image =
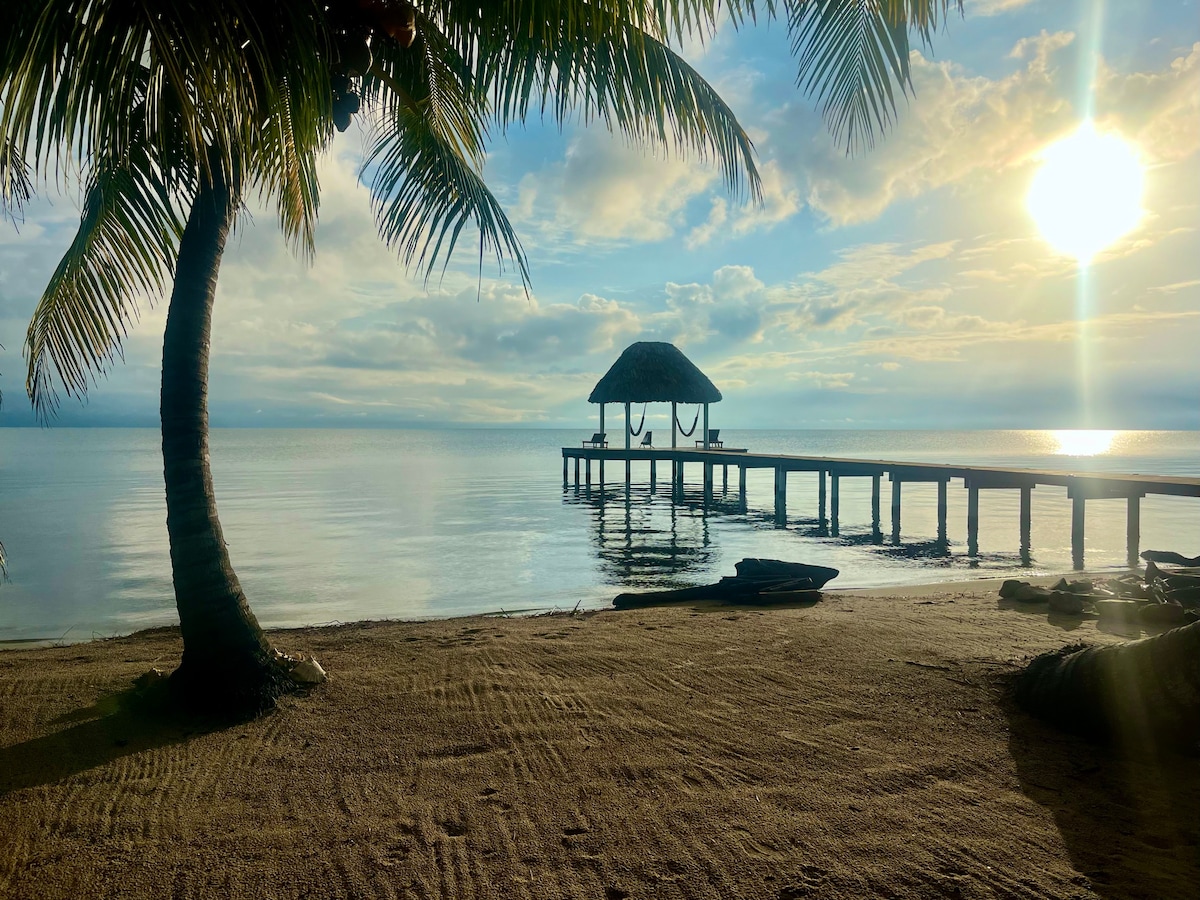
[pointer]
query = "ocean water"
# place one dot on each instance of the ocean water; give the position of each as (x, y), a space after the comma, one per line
(340, 525)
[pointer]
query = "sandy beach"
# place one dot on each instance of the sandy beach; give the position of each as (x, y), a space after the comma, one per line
(858, 747)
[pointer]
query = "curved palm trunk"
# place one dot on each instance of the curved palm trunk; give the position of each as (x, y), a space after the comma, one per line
(1143, 694)
(227, 662)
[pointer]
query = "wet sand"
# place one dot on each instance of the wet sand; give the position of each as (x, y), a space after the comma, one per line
(859, 747)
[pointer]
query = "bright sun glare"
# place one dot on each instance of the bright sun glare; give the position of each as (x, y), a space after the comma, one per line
(1087, 193)
(1084, 442)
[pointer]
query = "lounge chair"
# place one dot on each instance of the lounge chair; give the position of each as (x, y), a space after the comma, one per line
(597, 440)
(713, 435)
(646, 441)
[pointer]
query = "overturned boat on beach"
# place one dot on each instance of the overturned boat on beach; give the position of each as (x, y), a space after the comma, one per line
(757, 582)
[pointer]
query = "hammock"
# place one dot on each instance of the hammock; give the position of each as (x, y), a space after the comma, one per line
(694, 421)
(641, 424)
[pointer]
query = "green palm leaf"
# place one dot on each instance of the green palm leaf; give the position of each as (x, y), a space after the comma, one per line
(125, 246)
(849, 53)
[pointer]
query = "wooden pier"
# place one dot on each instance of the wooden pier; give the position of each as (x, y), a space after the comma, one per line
(1080, 488)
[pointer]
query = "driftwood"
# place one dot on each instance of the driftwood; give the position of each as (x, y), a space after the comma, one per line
(1145, 694)
(757, 581)
(1170, 556)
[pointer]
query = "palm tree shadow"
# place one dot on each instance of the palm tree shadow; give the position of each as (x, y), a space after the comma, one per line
(1128, 821)
(115, 726)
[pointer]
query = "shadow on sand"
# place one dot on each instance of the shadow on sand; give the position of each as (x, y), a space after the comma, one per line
(1131, 823)
(116, 726)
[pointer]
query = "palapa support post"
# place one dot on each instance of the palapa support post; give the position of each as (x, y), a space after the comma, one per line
(780, 496)
(705, 426)
(1133, 529)
(602, 420)
(834, 502)
(1078, 503)
(972, 520)
(895, 507)
(674, 420)
(1026, 522)
(821, 521)
(941, 512)
(628, 428)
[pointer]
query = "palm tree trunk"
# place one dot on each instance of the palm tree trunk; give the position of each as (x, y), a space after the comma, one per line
(227, 661)
(1145, 695)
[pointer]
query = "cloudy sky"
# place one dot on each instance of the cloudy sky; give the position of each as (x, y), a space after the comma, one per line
(906, 286)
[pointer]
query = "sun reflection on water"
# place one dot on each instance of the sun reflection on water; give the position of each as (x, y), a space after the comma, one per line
(1084, 442)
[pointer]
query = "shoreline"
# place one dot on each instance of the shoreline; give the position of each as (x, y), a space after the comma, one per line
(859, 746)
(982, 582)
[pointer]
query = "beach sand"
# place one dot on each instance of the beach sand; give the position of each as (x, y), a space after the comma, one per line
(859, 747)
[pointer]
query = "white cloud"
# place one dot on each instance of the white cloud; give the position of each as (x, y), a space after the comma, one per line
(985, 8)
(604, 190)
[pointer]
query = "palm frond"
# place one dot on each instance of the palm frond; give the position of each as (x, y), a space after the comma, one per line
(424, 193)
(125, 246)
(15, 185)
(604, 61)
(852, 54)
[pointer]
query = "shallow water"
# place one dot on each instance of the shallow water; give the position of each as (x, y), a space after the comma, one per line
(338, 525)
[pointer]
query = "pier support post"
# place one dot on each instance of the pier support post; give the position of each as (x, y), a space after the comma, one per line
(708, 483)
(781, 496)
(1077, 515)
(1026, 523)
(677, 481)
(834, 502)
(941, 513)
(742, 488)
(1133, 529)
(588, 464)
(821, 521)
(895, 508)
(601, 473)
(653, 475)
(972, 520)
(725, 478)
(628, 473)
(876, 532)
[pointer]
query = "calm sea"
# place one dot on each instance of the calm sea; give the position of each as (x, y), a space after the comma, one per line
(328, 526)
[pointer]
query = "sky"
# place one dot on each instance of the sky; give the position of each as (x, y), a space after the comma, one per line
(905, 286)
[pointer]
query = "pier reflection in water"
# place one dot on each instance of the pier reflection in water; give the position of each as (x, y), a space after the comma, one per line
(829, 473)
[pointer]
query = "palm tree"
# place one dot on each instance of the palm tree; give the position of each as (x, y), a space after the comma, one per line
(174, 112)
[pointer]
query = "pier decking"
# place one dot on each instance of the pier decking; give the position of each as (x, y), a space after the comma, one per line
(1080, 487)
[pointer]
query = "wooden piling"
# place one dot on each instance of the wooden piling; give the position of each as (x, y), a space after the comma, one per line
(821, 523)
(1133, 529)
(780, 495)
(834, 502)
(742, 488)
(895, 507)
(941, 512)
(972, 520)
(1026, 520)
(1078, 504)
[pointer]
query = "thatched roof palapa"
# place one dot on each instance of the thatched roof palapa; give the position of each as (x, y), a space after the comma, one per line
(654, 372)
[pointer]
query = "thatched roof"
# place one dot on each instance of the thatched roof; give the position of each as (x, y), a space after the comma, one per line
(654, 371)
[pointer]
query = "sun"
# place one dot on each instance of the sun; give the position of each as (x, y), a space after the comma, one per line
(1087, 193)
